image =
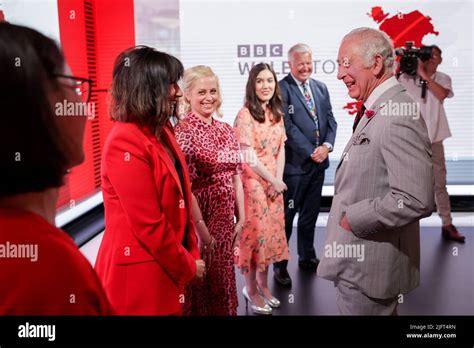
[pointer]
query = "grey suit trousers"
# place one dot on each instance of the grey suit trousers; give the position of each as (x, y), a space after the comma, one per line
(353, 302)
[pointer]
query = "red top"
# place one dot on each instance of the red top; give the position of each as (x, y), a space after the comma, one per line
(42, 272)
(143, 262)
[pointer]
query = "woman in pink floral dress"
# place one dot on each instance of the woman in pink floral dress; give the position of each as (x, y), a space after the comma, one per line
(213, 157)
(261, 133)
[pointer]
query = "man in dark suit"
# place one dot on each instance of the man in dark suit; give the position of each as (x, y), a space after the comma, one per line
(311, 130)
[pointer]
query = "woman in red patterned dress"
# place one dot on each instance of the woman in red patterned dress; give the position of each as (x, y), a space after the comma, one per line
(261, 134)
(213, 157)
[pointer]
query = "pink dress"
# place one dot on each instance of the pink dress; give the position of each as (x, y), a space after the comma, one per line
(213, 158)
(263, 239)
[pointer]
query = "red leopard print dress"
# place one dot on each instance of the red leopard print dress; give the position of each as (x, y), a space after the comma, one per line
(213, 158)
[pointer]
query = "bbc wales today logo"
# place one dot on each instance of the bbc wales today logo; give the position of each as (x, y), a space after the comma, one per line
(276, 55)
(250, 54)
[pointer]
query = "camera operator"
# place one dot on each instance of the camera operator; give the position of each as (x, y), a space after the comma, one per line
(438, 87)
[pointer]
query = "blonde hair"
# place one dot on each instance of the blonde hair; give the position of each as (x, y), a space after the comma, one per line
(191, 75)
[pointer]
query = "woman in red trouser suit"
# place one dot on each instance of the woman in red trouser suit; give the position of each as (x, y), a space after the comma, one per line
(149, 249)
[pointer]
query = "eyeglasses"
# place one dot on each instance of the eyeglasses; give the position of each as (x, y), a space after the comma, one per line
(82, 86)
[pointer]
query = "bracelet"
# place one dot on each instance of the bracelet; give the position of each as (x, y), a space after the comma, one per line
(210, 244)
(199, 221)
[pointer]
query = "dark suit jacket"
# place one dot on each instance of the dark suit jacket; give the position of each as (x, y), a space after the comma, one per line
(300, 127)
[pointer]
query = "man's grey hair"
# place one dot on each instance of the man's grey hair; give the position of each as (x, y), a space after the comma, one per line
(372, 42)
(299, 48)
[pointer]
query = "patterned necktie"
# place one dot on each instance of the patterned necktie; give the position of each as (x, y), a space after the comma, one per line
(309, 100)
(358, 117)
(312, 108)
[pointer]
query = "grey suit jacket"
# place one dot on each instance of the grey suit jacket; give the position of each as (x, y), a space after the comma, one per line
(384, 184)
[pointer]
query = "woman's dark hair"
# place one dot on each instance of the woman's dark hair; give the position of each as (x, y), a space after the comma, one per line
(254, 104)
(32, 154)
(142, 78)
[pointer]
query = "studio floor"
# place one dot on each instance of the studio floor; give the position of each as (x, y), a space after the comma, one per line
(446, 285)
(446, 282)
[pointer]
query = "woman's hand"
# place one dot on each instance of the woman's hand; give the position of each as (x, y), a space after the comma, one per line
(271, 192)
(237, 231)
(279, 186)
(205, 242)
(200, 269)
(206, 249)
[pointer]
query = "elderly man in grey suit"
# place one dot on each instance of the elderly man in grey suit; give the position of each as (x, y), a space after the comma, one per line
(383, 185)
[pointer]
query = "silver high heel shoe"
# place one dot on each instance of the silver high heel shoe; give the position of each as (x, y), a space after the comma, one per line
(272, 302)
(265, 310)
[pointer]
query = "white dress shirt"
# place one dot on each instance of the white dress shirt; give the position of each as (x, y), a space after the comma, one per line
(379, 90)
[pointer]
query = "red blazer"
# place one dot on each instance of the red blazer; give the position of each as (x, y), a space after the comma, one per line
(142, 262)
(42, 271)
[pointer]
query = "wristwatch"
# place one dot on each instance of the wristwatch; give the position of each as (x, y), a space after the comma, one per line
(329, 146)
